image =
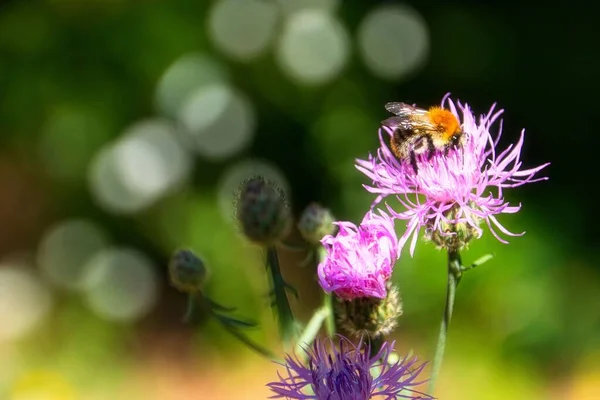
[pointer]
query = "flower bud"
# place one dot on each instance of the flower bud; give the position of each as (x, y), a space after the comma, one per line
(370, 315)
(316, 222)
(451, 235)
(262, 212)
(187, 271)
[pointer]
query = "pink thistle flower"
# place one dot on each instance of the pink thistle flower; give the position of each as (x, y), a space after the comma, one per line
(360, 259)
(463, 187)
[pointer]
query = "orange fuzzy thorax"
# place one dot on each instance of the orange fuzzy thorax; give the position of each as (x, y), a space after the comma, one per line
(445, 121)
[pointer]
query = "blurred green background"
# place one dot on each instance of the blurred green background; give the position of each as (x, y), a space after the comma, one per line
(125, 127)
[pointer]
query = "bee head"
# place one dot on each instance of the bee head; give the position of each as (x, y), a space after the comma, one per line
(457, 139)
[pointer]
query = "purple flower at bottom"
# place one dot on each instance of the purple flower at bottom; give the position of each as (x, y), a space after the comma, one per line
(462, 187)
(346, 374)
(360, 259)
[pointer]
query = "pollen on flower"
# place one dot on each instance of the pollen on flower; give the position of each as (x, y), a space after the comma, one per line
(445, 120)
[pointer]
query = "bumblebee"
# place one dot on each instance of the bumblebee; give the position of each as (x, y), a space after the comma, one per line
(418, 131)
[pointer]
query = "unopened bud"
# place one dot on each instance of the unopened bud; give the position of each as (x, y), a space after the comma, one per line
(316, 222)
(370, 315)
(451, 235)
(187, 271)
(262, 212)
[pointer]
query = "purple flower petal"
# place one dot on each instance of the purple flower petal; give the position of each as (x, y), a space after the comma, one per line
(360, 259)
(470, 179)
(345, 373)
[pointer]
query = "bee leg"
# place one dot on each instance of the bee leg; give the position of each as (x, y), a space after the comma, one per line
(413, 161)
(430, 147)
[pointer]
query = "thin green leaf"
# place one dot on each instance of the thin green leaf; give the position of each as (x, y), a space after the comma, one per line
(282, 308)
(234, 322)
(248, 342)
(216, 306)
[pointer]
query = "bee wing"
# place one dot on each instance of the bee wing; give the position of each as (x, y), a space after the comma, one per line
(404, 110)
(407, 123)
(398, 122)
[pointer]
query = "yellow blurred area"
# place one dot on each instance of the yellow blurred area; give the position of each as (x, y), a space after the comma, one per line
(42, 385)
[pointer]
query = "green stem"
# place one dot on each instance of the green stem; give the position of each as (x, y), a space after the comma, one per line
(330, 319)
(327, 301)
(191, 307)
(312, 329)
(454, 275)
(323, 314)
(376, 344)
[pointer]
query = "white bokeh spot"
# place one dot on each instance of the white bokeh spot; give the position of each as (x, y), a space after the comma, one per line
(219, 121)
(24, 301)
(293, 6)
(142, 166)
(188, 73)
(121, 284)
(65, 249)
(393, 41)
(314, 47)
(242, 29)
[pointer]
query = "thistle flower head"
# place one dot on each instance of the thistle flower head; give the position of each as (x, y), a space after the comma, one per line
(451, 194)
(370, 316)
(346, 374)
(262, 211)
(315, 223)
(187, 271)
(360, 259)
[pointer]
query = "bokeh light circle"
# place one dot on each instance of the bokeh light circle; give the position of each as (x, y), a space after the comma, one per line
(219, 120)
(121, 284)
(139, 168)
(393, 41)
(313, 48)
(232, 178)
(188, 73)
(66, 248)
(24, 301)
(294, 6)
(242, 29)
